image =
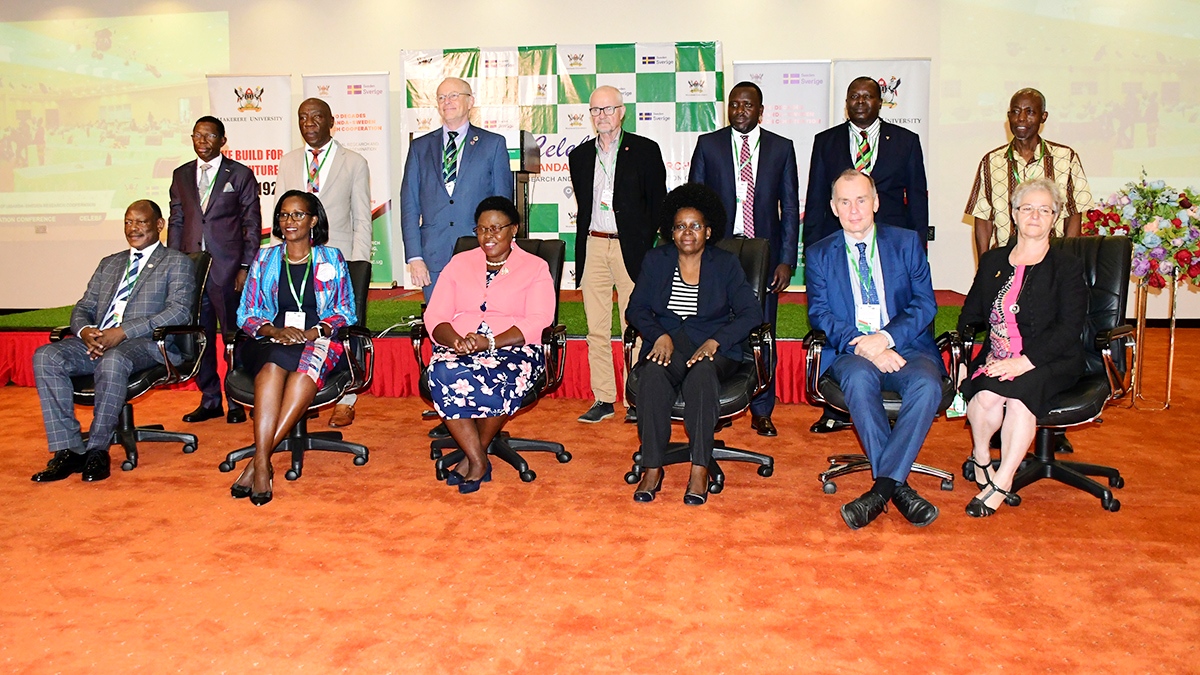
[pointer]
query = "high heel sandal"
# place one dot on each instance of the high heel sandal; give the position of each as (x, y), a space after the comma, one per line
(469, 486)
(241, 491)
(648, 495)
(978, 508)
(261, 498)
(980, 467)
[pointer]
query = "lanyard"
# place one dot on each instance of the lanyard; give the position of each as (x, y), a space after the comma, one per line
(599, 158)
(312, 177)
(303, 284)
(737, 152)
(870, 261)
(1012, 161)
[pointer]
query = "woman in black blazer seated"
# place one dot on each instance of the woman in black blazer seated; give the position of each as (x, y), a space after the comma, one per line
(1034, 300)
(694, 308)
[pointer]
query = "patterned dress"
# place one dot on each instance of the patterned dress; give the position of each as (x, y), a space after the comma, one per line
(483, 384)
(1006, 342)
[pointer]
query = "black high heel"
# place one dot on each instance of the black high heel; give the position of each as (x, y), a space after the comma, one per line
(649, 495)
(241, 491)
(696, 498)
(980, 467)
(261, 498)
(978, 508)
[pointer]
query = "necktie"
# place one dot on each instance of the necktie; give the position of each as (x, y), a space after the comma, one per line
(111, 318)
(747, 175)
(450, 160)
(314, 173)
(205, 184)
(866, 282)
(865, 154)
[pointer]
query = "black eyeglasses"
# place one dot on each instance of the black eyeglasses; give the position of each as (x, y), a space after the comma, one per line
(607, 110)
(297, 216)
(479, 229)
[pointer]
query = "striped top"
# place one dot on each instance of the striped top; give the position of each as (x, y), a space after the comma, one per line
(685, 298)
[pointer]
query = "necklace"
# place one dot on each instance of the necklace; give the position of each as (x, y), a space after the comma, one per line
(300, 261)
(497, 264)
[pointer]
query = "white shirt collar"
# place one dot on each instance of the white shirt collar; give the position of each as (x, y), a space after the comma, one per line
(852, 242)
(146, 252)
(871, 130)
(213, 166)
(752, 136)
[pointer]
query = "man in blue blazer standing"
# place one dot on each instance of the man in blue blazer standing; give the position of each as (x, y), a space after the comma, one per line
(869, 289)
(447, 173)
(890, 155)
(754, 173)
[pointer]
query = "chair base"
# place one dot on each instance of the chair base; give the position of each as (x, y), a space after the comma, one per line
(300, 441)
(128, 435)
(841, 465)
(503, 447)
(1042, 464)
(681, 453)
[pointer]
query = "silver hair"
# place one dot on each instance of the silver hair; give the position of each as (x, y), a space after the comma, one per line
(1038, 185)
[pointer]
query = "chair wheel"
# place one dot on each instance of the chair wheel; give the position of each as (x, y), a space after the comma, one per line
(563, 457)
(829, 487)
(947, 484)
(1113, 505)
(637, 457)
(632, 477)
(226, 466)
(528, 475)
(189, 448)
(1013, 499)
(968, 470)
(441, 474)
(766, 471)
(359, 460)
(1116, 482)
(435, 454)
(291, 474)
(715, 487)
(127, 465)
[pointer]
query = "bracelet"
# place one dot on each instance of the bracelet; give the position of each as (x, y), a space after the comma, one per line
(491, 343)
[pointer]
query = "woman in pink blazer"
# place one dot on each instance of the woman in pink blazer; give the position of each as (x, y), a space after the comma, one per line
(488, 311)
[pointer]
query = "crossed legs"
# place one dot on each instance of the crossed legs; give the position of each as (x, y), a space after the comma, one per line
(473, 436)
(280, 398)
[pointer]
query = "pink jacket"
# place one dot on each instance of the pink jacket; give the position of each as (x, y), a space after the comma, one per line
(521, 295)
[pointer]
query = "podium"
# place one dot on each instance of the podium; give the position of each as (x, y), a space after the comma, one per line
(527, 163)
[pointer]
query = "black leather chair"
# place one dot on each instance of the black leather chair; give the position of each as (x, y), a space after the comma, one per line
(444, 451)
(824, 390)
(752, 377)
(360, 359)
(191, 343)
(1106, 337)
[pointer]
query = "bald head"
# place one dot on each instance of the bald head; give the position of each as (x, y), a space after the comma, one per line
(143, 224)
(454, 100)
(316, 122)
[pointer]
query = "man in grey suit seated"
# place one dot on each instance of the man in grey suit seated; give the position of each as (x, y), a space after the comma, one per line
(131, 293)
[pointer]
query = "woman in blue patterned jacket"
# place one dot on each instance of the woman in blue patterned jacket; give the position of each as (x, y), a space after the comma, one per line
(297, 297)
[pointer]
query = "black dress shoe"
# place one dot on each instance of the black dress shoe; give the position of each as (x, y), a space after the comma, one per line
(204, 413)
(96, 466)
(915, 508)
(236, 415)
(860, 512)
(828, 425)
(763, 425)
(631, 415)
(61, 465)
(440, 431)
(649, 495)
(1063, 445)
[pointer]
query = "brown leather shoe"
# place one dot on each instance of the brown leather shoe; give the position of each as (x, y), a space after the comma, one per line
(763, 425)
(343, 415)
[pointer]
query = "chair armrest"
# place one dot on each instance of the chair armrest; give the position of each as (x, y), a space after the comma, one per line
(1123, 338)
(61, 333)
(419, 335)
(160, 336)
(950, 343)
(362, 371)
(967, 337)
(1105, 338)
(814, 345)
(762, 345)
(628, 342)
(232, 338)
(554, 355)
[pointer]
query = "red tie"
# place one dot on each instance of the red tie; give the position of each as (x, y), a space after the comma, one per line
(747, 175)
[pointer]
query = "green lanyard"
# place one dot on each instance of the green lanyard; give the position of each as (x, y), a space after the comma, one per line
(303, 284)
(1012, 160)
(870, 261)
(313, 176)
(738, 151)
(600, 159)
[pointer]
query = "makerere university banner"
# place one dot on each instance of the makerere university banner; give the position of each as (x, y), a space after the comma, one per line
(257, 113)
(361, 122)
(673, 92)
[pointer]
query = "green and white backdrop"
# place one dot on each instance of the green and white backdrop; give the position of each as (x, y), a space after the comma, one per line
(673, 92)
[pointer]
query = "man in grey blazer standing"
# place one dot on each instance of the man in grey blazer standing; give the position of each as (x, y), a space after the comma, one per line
(339, 177)
(130, 294)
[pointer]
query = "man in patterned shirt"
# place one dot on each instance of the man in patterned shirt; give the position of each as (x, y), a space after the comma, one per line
(1028, 156)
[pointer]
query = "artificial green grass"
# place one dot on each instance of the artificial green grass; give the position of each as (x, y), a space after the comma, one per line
(793, 319)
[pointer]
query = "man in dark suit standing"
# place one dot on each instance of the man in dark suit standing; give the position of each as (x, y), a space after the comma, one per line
(619, 181)
(131, 293)
(215, 208)
(754, 173)
(890, 155)
(869, 289)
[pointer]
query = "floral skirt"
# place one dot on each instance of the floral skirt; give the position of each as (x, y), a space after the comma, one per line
(484, 384)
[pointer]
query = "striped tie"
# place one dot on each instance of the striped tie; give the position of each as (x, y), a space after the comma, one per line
(450, 160)
(314, 173)
(111, 318)
(747, 175)
(865, 154)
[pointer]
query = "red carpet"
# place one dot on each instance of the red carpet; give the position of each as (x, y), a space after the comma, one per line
(381, 569)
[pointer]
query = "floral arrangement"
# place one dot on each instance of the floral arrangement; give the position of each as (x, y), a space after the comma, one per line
(1164, 224)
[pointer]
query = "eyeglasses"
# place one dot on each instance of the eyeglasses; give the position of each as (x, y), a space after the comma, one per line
(1028, 209)
(204, 137)
(607, 110)
(297, 216)
(694, 227)
(491, 231)
(451, 97)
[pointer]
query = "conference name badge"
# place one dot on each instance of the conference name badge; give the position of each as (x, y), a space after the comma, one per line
(743, 187)
(293, 320)
(325, 272)
(866, 319)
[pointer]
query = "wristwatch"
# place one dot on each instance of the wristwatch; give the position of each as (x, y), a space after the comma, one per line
(491, 343)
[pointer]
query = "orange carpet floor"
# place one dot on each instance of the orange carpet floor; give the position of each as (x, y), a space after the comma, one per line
(379, 568)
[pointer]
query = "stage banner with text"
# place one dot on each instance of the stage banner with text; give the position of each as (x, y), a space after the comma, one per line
(905, 87)
(257, 113)
(673, 92)
(361, 122)
(796, 106)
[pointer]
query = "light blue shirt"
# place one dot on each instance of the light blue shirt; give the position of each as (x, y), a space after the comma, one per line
(876, 276)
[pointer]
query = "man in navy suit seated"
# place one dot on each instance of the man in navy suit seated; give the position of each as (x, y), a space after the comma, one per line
(869, 289)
